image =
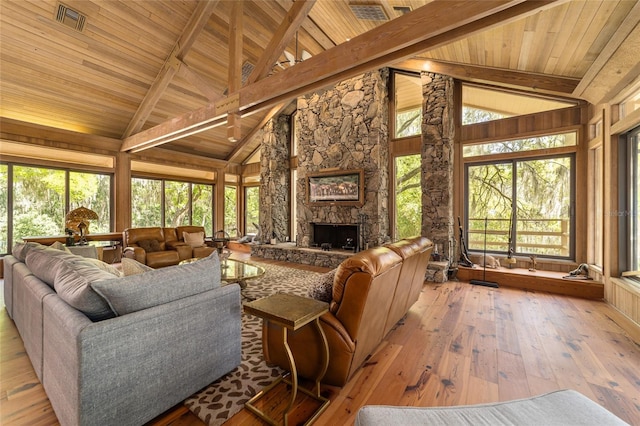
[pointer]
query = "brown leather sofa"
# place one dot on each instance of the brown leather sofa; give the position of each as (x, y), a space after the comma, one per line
(157, 247)
(372, 290)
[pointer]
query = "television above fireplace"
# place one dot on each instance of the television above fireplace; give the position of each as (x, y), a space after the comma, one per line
(336, 187)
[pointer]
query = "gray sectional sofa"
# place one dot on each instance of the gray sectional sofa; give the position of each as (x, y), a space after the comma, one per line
(120, 350)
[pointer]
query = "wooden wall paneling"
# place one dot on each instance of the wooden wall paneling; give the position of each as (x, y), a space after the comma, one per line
(523, 126)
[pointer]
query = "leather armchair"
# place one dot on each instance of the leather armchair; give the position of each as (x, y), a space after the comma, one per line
(148, 246)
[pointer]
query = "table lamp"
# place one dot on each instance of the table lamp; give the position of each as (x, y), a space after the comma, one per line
(80, 219)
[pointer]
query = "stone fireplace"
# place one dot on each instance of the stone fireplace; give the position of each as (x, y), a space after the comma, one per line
(335, 234)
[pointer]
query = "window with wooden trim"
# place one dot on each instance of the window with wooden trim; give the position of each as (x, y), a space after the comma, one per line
(527, 201)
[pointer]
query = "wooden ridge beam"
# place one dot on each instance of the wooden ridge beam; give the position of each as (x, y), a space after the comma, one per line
(540, 83)
(391, 42)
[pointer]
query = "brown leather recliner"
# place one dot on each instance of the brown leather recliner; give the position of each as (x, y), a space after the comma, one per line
(415, 253)
(150, 246)
(369, 289)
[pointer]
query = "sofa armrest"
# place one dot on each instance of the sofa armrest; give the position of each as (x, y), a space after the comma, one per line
(129, 369)
(136, 253)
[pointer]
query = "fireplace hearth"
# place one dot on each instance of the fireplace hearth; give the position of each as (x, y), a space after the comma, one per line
(331, 236)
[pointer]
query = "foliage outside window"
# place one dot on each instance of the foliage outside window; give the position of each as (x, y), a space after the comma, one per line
(231, 210)
(93, 191)
(202, 206)
(40, 197)
(146, 202)
(4, 208)
(408, 105)
(252, 209)
(177, 208)
(408, 196)
(535, 193)
(185, 203)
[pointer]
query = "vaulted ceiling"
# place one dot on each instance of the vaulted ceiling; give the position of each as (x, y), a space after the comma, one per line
(200, 77)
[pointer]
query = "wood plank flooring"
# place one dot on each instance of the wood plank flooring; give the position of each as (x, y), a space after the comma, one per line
(459, 344)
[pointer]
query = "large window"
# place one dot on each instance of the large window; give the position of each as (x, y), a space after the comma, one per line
(408, 197)
(157, 202)
(407, 100)
(525, 200)
(231, 210)
(251, 209)
(35, 200)
(630, 204)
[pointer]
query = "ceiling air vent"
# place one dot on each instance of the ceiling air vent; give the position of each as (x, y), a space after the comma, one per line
(71, 18)
(401, 10)
(369, 12)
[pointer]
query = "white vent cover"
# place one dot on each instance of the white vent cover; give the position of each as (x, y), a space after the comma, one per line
(369, 12)
(70, 17)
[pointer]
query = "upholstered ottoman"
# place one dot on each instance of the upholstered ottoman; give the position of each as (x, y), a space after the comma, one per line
(565, 407)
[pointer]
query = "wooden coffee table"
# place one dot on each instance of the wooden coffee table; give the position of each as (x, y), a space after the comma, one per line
(292, 313)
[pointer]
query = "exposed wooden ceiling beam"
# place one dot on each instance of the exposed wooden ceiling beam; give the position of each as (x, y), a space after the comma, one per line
(281, 38)
(247, 138)
(196, 23)
(540, 83)
(199, 82)
(391, 42)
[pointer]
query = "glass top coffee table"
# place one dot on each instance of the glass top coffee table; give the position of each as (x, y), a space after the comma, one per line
(237, 271)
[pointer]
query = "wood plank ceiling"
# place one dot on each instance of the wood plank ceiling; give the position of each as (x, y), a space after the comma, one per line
(142, 68)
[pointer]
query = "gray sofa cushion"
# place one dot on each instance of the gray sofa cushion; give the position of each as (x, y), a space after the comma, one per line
(46, 262)
(136, 292)
(20, 250)
(73, 285)
(565, 407)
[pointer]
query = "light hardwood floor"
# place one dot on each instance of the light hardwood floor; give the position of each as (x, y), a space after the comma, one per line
(459, 344)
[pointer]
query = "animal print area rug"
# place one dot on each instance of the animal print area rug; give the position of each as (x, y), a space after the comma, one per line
(223, 398)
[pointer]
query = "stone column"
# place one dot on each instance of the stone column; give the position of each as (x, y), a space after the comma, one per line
(275, 178)
(438, 131)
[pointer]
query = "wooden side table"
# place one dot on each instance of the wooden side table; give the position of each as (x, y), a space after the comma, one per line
(292, 313)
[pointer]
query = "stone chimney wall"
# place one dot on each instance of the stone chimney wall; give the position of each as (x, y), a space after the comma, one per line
(346, 127)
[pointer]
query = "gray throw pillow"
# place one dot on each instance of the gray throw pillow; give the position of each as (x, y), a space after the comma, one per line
(322, 288)
(73, 285)
(159, 286)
